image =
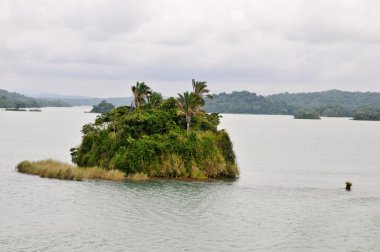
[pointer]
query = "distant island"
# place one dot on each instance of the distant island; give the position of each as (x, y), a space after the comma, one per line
(17, 102)
(23, 110)
(303, 114)
(366, 114)
(332, 103)
(16, 109)
(102, 107)
(89, 101)
(153, 138)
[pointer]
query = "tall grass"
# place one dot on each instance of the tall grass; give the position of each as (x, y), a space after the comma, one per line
(138, 177)
(172, 167)
(54, 169)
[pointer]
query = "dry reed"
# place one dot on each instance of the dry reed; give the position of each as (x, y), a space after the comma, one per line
(138, 177)
(54, 169)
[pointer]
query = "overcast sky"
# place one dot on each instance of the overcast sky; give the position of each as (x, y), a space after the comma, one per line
(102, 47)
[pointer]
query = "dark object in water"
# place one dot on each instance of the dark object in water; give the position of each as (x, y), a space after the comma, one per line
(348, 185)
(15, 109)
(35, 110)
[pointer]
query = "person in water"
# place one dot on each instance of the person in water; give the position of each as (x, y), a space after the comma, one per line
(348, 185)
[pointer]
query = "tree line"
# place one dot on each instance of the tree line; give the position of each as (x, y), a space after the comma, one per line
(17, 101)
(189, 104)
(332, 103)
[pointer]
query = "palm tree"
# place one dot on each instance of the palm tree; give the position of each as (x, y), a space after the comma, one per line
(154, 99)
(200, 89)
(140, 92)
(189, 105)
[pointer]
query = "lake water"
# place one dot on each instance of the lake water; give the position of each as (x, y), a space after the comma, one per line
(290, 196)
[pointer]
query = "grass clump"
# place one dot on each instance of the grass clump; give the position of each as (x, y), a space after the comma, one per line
(58, 170)
(138, 177)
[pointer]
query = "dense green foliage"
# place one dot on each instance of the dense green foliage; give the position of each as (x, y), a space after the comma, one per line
(245, 102)
(347, 100)
(152, 139)
(332, 103)
(15, 100)
(366, 114)
(333, 111)
(303, 114)
(189, 105)
(102, 107)
(140, 93)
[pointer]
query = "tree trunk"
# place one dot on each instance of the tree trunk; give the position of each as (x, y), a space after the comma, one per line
(188, 121)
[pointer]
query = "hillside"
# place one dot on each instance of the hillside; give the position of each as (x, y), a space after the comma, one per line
(16, 100)
(88, 101)
(244, 102)
(345, 99)
(332, 103)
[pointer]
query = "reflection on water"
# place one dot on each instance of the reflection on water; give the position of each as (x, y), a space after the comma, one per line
(290, 196)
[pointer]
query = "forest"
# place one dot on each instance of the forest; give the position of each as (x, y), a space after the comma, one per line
(17, 101)
(332, 103)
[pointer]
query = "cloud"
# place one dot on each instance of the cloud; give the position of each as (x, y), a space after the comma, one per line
(87, 46)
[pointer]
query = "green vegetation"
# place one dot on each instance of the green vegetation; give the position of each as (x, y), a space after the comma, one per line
(200, 90)
(188, 105)
(302, 114)
(348, 100)
(140, 91)
(86, 101)
(58, 170)
(334, 111)
(245, 102)
(366, 114)
(18, 101)
(102, 107)
(332, 103)
(172, 138)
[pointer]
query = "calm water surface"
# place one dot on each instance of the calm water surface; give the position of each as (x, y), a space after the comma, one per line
(290, 196)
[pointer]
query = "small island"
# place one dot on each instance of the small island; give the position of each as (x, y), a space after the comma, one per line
(17, 102)
(16, 109)
(153, 138)
(102, 107)
(303, 114)
(366, 114)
